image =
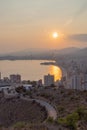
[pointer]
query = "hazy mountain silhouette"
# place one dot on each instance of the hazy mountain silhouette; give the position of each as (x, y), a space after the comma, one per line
(28, 52)
(67, 50)
(81, 53)
(46, 54)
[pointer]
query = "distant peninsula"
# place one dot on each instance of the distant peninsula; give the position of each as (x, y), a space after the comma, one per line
(47, 63)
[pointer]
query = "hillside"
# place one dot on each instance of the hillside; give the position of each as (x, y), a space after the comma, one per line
(71, 107)
(13, 111)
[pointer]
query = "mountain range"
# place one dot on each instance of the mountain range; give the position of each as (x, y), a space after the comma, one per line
(46, 54)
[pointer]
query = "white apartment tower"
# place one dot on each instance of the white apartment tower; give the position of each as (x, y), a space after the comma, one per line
(76, 82)
(85, 81)
(0, 75)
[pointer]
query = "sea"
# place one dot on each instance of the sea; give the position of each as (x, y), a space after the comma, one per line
(29, 69)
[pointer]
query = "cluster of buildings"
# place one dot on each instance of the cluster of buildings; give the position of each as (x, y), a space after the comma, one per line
(76, 77)
(12, 79)
(15, 79)
(8, 84)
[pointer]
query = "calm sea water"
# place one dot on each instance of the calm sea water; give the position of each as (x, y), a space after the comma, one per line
(28, 69)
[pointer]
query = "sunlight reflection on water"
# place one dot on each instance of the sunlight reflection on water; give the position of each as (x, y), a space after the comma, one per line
(56, 71)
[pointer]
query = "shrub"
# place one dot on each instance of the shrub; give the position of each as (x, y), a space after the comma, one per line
(61, 109)
(19, 125)
(61, 91)
(20, 89)
(82, 111)
(70, 120)
(46, 95)
(50, 120)
(62, 121)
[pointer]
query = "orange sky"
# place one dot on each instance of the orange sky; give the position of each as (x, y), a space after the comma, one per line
(29, 24)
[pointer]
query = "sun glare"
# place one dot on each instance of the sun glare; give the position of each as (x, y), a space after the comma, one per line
(55, 35)
(56, 71)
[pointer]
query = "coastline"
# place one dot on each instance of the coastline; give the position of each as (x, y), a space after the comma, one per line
(23, 71)
(64, 72)
(54, 63)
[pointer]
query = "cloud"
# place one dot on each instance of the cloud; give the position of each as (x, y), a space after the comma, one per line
(78, 37)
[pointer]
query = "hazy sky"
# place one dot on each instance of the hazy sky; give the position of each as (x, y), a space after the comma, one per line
(30, 24)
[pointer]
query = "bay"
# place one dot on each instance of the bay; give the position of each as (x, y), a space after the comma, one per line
(29, 69)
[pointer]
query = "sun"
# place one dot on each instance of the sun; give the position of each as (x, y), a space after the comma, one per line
(55, 35)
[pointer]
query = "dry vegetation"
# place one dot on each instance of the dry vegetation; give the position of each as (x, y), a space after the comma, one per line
(67, 104)
(71, 107)
(17, 110)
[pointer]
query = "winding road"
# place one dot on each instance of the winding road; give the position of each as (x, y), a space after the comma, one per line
(50, 109)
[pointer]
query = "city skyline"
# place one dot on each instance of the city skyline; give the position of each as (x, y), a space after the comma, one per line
(30, 24)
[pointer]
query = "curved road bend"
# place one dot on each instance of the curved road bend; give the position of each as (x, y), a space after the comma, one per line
(50, 109)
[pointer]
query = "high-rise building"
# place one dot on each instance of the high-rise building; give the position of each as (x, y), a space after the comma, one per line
(0, 75)
(48, 80)
(39, 83)
(6, 80)
(76, 82)
(15, 78)
(85, 81)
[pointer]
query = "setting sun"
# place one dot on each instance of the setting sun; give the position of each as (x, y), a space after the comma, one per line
(55, 35)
